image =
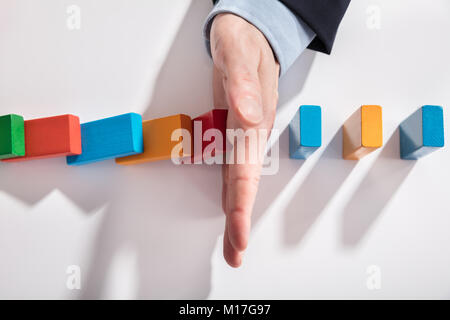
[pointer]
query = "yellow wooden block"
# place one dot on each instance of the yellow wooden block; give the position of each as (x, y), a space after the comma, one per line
(362, 132)
(158, 144)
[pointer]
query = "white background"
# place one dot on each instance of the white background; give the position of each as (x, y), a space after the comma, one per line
(155, 230)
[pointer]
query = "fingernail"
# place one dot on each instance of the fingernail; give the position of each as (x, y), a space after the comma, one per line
(251, 111)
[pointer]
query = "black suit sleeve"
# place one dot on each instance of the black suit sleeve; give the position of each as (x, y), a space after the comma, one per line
(322, 16)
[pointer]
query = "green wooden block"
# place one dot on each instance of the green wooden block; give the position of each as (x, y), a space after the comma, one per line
(12, 136)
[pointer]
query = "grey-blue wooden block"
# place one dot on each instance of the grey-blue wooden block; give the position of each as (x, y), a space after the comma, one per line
(422, 132)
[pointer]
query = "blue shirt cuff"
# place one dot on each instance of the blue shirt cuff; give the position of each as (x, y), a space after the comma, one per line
(287, 33)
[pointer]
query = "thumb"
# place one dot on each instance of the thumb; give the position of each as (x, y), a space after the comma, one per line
(243, 94)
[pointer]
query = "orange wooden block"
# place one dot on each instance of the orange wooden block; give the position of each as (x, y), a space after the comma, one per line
(362, 132)
(158, 144)
(51, 137)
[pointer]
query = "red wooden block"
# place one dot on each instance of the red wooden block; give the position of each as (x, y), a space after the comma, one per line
(214, 119)
(51, 137)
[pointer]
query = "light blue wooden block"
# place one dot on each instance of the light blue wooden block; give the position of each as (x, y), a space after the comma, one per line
(110, 138)
(305, 132)
(422, 132)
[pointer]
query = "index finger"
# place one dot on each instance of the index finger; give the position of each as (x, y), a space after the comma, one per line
(242, 189)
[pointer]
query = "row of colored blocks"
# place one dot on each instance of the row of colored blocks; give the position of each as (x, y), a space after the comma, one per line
(126, 138)
(130, 140)
(420, 134)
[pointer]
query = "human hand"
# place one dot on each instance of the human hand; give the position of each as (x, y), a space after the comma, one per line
(246, 82)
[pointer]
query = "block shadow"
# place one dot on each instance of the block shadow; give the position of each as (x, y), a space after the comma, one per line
(88, 188)
(375, 191)
(318, 188)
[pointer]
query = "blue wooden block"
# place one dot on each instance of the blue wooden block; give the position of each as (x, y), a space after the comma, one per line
(422, 133)
(305, 132)
(110, 138)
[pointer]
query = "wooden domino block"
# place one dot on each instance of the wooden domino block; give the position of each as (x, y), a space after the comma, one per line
(305, 132)
(51, 137)
(214, 119)
(422, 133)
(158, 144)
(110, 138)
(12, 136)
(362, 132)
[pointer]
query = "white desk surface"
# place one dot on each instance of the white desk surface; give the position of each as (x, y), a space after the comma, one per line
(155, 230)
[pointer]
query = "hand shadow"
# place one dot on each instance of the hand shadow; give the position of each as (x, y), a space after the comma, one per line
(375, 191)
(172, 226)
(174, 247)
(169, 216)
